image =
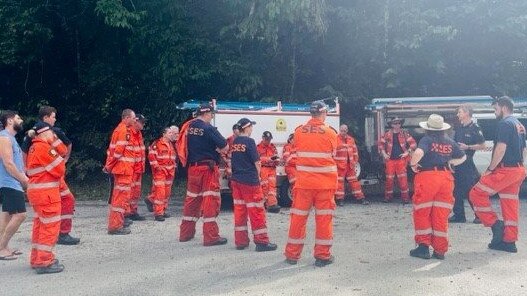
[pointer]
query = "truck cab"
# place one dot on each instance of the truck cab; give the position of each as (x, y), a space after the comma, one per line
(281, 119)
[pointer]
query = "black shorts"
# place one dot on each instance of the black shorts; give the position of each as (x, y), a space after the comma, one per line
(13, 201)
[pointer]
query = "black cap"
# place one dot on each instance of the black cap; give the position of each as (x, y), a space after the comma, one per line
(141, 118)
(267, 135)
(41, 127)
(291, 136)
(318, 107)
(204, 108)
(245, 122)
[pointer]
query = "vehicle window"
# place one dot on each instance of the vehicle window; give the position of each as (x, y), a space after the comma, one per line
(488, 127)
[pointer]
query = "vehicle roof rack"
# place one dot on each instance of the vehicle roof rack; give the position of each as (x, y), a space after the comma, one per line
(258, 106)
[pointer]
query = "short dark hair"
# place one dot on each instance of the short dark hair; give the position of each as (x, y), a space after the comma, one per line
(126, 113)
(504, 101)
(46, 111)
(7, 114)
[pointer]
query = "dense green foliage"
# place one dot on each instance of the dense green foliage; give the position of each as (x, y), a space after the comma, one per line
(91, 58)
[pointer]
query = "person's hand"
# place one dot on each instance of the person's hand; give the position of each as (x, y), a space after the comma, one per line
(405, 154)
(385, 155)
(106, 170)
(463, 146)
(24, 182)
(415, 168)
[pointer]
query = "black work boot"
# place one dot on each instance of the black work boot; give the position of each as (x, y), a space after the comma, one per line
(166, 215)
(274, 209)
(53, 268)
(266, 247)
(340, 202)
(241, 247)
(149, 205)
(457, 219)
(220, 241)
(438, 256)
(476, 220)
(291, 261)
(497, 233)
(422, 251)
(503, 246)
(159, 218)
(122, 231)
(67, 239)
(127, 222)
(364, 202)
(136, 217)
(324, 262)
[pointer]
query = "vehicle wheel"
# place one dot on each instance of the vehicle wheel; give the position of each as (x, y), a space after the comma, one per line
(285, 194)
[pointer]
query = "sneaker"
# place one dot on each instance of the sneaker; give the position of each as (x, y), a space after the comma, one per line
(159, 218)
(364, 202)
(266, 247)
(340, 202)
(422, 251)
(476, 220)
(127, 222)
(149, 205)
(438, 256)
(324, 262)
(53, 268)
(497, 232)
(136, 217)
(67, 239)
(457, 219)
(503, 246)
(122, 231)
(220, 241)
(274, 209)
(291, 261)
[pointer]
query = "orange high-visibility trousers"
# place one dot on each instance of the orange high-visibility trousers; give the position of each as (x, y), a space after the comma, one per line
(348, 174)
(46, 229)
(396, 168)
(203, 199)
(161, 190)
(135, 194)
(268, 177)
(303, 201)
(505, 181)
(248, 201)
(290, 171)
(433, 200)
(67, 201)
(120, 200)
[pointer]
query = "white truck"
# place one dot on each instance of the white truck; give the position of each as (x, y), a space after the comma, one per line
(417, 109)
(279, 118)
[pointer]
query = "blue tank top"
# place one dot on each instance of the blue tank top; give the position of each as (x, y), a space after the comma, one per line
(6, 180)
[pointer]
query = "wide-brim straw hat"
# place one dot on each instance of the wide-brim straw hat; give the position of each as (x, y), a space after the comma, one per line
(434, 123)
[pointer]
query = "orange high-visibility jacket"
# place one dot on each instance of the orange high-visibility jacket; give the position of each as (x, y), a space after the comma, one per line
(182, 143)
(289, 155)
(162, 156)
(347, 152)
(45, 169)
(138, 146)
(315, 145)
(266, 152)
(120, 157)
(405, 140)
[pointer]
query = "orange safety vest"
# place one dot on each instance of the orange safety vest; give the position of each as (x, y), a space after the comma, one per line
(266, 152)
(315, 145)
(386, 142)
(120, 157)
(45, 169)
(347, 152)
(289, 155)
(162, 155)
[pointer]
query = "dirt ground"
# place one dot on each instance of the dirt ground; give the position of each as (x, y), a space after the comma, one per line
(371, 247)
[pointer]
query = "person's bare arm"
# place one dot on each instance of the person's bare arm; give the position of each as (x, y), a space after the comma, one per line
(6, 153)
(457, 161)
(416, 157)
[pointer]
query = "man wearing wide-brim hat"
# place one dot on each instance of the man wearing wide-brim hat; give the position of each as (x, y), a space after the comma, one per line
(395, 147)
(433, 187)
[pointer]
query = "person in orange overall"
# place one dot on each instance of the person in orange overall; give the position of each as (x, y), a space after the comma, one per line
(347, 157)
(316, 182)
(289, 159)
(504, 176)
(247, 193)
(199, 145)
(120, 164)
(269, 160)
(395, 148)
(433, 197)
(48, 115)
(162, 158)
(45, 169)
(138, 146)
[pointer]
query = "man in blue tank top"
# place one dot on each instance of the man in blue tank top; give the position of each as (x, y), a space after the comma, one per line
(12, 183)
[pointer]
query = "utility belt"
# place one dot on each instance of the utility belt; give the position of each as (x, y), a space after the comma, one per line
(510, 165)
(435, 168)
(209, 162)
